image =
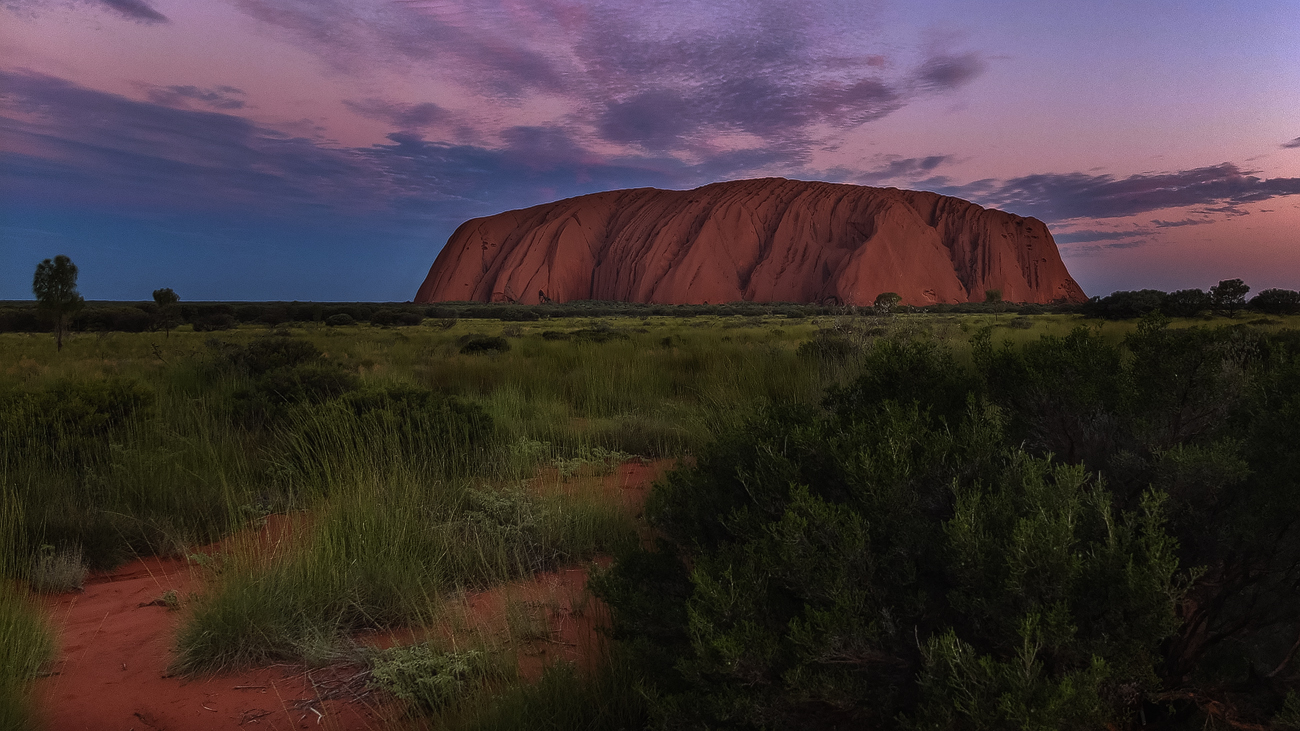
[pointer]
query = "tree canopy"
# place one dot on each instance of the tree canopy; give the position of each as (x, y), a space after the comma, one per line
(55, 287)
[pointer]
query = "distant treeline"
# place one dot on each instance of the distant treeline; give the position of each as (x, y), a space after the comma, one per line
(1226, 298)
(210, 316)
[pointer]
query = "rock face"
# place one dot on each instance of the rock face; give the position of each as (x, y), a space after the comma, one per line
(767, 240)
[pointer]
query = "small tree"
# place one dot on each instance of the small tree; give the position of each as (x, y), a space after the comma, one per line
(1229, 296)
(992, 296)
(55, 287)
(166, 300)
(886, 302)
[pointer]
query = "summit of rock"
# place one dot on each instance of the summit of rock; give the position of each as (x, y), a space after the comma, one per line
(764, 240)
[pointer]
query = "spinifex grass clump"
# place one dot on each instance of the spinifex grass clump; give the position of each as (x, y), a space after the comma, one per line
(609, 697)
(25, 640)
(432, 680)
(111, 468)
(396, 523)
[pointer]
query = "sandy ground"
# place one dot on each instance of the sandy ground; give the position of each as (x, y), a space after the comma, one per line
(111, 673)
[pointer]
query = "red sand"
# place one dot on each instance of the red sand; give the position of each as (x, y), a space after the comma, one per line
(111, 671)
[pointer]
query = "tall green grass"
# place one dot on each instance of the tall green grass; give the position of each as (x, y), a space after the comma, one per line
(25, 640)
(408, 499)
(403, 513)
(609, 697)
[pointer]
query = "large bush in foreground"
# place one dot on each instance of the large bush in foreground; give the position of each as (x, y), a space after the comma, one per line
(1068, 534)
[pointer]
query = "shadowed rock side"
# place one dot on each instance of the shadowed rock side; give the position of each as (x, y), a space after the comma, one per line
(767, 240)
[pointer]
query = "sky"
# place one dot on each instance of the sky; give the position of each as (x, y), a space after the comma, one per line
(326, 149)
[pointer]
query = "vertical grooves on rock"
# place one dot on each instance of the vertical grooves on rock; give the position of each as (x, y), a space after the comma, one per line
(752, 239)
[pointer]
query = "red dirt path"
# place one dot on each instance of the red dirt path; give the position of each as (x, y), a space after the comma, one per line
(111, 670)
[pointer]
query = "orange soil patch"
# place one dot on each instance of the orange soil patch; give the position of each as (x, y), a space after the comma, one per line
(116, 642)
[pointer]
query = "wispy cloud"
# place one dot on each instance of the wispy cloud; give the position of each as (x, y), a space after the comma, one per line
(1092, 236)
(657, 77)
(220, 97)
(83, 147)
(1292, 144)
(946, 71)
(137, 10)
(1060, 197)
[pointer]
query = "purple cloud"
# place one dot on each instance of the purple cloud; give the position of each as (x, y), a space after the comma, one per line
(137, 10)
(1292, 144)
(662, 79)
(220, 97)
(403, 116)
(1181, 222)
(1059, 197)
(1089, 236)
(944, 71)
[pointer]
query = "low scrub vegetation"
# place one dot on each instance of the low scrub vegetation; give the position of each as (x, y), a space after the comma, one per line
(1074, 533)
(986, 516)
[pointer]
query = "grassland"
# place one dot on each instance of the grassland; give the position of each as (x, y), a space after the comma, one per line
(409, 457)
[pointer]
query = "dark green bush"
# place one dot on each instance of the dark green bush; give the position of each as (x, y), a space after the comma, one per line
(341, 319)
(987, 547)
(892, 565)
(281, 371)
(70, 419)
(215, 322)
(598, 334)
(1277, 302)
(24, 320)
(1185, 303)
(1124, 305)
(485, 344)
(829, 347)
(116, 319)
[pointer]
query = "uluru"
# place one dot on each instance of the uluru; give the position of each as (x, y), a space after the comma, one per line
(763, 240)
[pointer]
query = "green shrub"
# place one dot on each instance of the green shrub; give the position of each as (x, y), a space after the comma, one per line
(70, 420)
(485, 344)
(341, 319)
(608, 698)
(1277, 302)
(846, 569)
(432, 680)
(215, 322)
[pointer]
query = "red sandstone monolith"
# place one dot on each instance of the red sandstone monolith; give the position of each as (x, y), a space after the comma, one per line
(765, 240)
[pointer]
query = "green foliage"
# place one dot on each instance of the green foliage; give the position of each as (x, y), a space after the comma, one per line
(1289, 717)
(1125, 305)
(167, 315)
(1229, 296)
(341, 319)
(822, 549)
(26, 642)
(69, 420)
(1277, 302)
(887, 301)
(992, 296)
(484, 344)
(165, 297)
(431, 680)
(987, 547)
(608, 698)
(281, 372)
(1185, 303)
(55, 287)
